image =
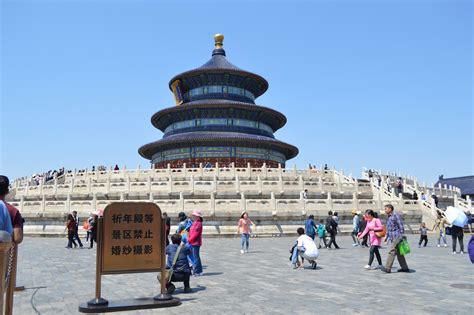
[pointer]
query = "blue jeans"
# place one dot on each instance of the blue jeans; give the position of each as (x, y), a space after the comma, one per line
(296, 252)
(244, 240)
(441, 235)
(190, 257)
(197, 267)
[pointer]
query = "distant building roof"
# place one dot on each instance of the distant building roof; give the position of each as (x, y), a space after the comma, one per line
(465, 183)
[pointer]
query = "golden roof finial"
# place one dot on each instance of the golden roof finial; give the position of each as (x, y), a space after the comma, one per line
(219, 41)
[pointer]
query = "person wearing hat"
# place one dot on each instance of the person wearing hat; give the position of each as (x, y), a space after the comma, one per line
(195, 240)
(355, 228)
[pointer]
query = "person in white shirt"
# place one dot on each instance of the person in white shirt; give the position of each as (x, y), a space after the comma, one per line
(305, 248)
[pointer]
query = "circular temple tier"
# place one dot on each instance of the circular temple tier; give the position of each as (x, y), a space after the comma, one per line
(216, 120)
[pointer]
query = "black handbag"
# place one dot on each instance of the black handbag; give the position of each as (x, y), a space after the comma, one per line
(448, 230)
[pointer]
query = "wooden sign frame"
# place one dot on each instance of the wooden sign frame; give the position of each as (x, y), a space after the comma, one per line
(157, 262)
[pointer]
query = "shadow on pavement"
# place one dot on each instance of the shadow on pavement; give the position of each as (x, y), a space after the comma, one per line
(208, 274)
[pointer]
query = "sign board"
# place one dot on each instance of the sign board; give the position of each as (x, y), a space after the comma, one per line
(132, 238)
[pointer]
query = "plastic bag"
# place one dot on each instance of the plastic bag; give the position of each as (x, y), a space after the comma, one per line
(404, 248)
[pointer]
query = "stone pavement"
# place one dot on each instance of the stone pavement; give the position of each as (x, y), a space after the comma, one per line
(58, 280)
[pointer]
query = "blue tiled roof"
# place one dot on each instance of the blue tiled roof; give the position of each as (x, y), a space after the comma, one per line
(218, 61)
(219, 64)
(465, 183)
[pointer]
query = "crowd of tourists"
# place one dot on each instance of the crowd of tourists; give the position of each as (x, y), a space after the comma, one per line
(37, 179)
(45, 177)
(368, 229)
(183, 247)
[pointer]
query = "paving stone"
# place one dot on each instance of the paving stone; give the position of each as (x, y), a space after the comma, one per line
(260, 282)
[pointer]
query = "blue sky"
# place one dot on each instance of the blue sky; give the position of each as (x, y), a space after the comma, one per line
(381, 84)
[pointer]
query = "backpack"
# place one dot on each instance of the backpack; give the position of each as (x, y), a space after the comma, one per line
(185, 232)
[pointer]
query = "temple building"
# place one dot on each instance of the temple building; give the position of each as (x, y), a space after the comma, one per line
(216, 120)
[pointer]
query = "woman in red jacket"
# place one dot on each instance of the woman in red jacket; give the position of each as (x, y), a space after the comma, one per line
(195, 240)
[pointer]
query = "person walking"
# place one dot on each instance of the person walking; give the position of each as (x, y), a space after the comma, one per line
(87, 226)
(373, 226)
(322, 234)
(440, 228)
(457, 234)
(244, 229)
(195, 240)
(310, 227)
(76, 229)
(423, 235)
(93, 230)
(71, 228)
(395, 231)
(331, 227)
(355, 228)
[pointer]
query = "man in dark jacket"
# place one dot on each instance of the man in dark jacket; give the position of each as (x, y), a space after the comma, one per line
(331, 227)
(76, 232)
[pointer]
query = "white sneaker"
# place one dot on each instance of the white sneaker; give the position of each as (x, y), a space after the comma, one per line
(454, 253)
(241, 251)
(462, 253)
(439, 245)
(367, 267)
(445, 245)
